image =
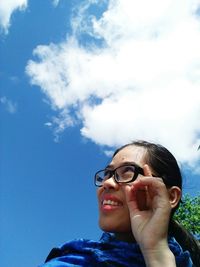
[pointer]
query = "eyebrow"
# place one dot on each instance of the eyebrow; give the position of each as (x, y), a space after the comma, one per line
(111, 166)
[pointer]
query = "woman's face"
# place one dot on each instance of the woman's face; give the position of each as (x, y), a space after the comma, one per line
(113, 211)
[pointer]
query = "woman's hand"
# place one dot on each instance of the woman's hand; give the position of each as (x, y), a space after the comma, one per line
(149, 207)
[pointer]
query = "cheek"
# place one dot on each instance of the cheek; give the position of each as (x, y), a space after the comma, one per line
(99, 192)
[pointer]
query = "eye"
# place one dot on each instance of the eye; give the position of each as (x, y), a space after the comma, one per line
(102, 176)
(108, 174)
(127, 169)
(125, 172)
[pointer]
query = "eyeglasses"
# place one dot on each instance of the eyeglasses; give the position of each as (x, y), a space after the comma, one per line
(123, 174)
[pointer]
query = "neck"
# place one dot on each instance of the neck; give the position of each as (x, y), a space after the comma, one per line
(126, 237)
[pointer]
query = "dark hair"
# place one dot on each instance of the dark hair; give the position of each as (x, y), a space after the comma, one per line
(165, 165)
(161, 161)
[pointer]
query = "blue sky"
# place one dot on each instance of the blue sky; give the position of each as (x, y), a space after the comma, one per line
(78, 78)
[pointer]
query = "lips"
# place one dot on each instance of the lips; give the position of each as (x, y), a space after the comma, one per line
(110, 202)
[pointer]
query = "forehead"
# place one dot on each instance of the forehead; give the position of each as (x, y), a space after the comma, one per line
(130, 153)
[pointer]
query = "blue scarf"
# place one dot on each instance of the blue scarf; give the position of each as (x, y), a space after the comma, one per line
(107, 252)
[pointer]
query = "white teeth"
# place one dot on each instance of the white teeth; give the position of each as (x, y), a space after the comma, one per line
(110, 202)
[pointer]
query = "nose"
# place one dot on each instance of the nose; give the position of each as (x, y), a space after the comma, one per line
(110, 184)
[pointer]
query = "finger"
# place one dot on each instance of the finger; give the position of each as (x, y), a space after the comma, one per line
(142, 193)
(129, 192)
(147, 170)
(136, 198)
(147, 182)
(154, 186)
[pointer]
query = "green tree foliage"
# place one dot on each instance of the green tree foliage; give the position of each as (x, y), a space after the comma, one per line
(188, 214)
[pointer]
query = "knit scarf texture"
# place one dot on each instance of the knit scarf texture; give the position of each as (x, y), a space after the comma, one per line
(107, 252)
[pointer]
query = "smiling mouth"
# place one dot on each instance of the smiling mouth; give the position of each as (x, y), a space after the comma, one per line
(109, 202)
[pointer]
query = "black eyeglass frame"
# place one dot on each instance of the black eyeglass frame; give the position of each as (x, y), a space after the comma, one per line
(138, 170)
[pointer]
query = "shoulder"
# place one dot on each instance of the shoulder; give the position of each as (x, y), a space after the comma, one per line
(183, 258)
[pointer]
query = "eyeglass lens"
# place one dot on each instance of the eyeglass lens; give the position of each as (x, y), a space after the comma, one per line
(123, 174)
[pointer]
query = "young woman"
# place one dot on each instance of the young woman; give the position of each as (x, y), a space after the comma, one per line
(138, 193)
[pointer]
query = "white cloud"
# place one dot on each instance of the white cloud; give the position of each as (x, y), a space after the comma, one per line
(55, 2)
(10, 106)
(7, 7)
(141, 82)
(60, 123)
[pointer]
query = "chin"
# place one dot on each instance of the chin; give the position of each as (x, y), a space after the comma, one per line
(114, 226)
